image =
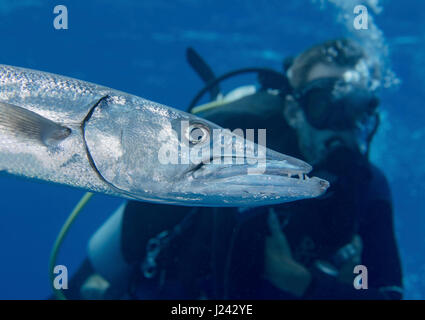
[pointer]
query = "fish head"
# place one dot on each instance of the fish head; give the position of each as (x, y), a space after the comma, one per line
(166, 155)
(220, 167)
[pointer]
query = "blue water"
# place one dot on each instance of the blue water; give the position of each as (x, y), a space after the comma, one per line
(139, 47)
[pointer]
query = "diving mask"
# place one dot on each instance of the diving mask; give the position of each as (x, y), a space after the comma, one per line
(332, 103)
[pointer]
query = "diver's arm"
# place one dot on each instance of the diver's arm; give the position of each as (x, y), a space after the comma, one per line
(76, 282)
(104, 273)
(113, 271)
(118, 247)
(286, 279)
(290, 277)
(280, 269)
(380, 256)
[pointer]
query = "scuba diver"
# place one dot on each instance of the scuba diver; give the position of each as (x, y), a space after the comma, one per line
(323, 109)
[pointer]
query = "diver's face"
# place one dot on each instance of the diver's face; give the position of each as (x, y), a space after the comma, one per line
(315, 113)
(315, 144)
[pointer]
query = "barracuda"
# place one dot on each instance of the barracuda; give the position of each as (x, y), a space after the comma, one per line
(84, 135)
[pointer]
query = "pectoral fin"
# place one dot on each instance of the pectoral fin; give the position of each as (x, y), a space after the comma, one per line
(23, 123)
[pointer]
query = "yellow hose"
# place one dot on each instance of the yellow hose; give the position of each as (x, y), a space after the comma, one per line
(59, 240)
(208, 106)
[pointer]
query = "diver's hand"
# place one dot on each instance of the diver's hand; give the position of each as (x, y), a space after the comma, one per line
(280, 268)
(346, 270)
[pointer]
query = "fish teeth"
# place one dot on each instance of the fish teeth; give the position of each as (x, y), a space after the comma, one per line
(299, 176)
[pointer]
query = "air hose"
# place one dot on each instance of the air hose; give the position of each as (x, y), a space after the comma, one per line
(211, 84)
(59, 240)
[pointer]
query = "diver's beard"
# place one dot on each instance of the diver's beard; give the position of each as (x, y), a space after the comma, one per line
(314, 153)
(340, 158)
(323, 154)
(337, 142)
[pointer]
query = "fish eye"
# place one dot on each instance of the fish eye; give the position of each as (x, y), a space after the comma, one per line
(197, 133)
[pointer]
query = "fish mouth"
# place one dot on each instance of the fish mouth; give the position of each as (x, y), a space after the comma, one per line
(279, 178)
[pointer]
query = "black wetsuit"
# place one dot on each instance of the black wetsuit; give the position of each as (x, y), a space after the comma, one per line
(222, 252)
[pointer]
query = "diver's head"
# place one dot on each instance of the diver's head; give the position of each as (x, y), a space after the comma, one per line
(333, 102)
